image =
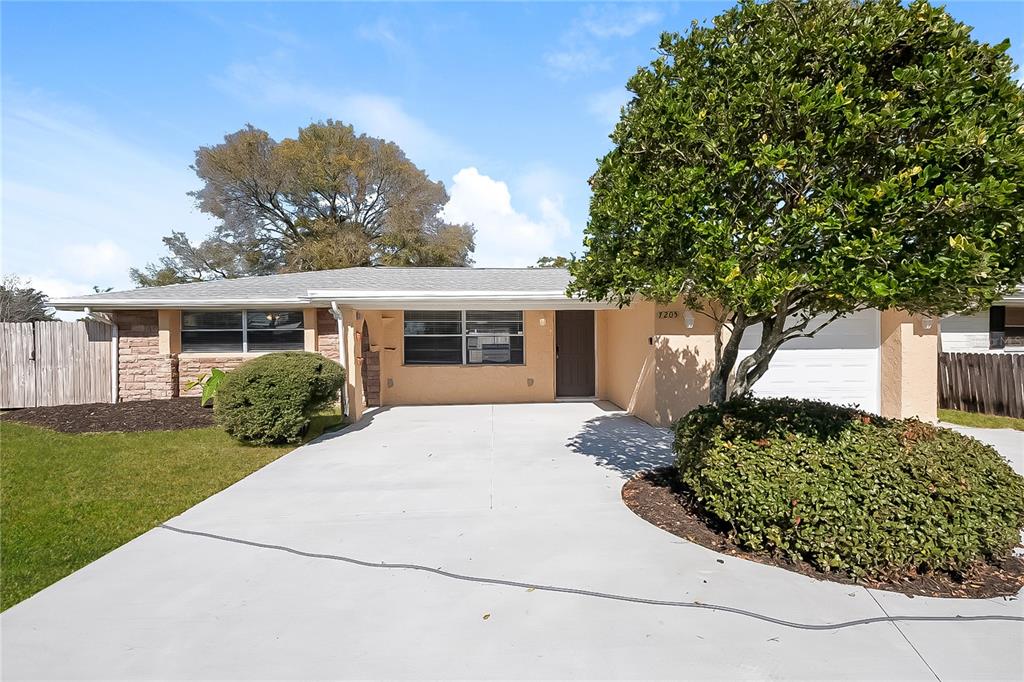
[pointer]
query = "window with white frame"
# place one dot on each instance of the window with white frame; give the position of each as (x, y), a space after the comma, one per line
(241, 331)
(463, 337)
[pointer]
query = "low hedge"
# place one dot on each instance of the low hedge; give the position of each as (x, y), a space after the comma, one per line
(848, 491)
(271, 399)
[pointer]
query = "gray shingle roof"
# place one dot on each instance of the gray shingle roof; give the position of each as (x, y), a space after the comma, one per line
(295, 286)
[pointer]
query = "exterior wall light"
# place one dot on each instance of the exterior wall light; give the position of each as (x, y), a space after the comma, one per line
(688, 319)
(928, 322)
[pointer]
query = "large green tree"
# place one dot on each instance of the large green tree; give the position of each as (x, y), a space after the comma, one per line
(794, 162)
(328, 198)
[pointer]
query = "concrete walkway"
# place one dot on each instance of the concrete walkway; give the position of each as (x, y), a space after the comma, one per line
(524, 493)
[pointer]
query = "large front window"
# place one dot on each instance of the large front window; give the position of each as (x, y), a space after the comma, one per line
(241, 331)
(463, 337)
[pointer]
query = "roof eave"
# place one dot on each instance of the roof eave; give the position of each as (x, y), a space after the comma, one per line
(467, 300)
(144, 304)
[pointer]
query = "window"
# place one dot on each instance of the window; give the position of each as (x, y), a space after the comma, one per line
(238, 331)
(433, 337)
(1006, 327)
(454, 337)
(494, 337)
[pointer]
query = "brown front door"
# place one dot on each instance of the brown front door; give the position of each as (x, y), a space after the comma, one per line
(574, 353)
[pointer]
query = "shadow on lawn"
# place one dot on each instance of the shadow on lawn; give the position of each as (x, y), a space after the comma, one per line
(623, 443)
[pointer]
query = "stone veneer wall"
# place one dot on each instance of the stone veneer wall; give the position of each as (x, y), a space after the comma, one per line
(191, 367)
(327, 334)
(144, 373)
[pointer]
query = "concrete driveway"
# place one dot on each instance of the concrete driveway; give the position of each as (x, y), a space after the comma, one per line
(288, 581)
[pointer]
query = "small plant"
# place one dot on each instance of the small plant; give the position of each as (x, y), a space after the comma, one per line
(272, 398)
(850, 491)
(210, 383)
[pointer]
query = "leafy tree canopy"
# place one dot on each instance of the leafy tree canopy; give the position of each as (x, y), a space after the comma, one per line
(796, 159)
(328, 198)
(552, 262)
(19, 302)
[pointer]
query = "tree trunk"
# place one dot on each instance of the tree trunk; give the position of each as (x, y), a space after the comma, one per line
(725, 360)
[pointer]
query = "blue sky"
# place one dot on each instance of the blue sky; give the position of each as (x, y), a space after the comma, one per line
(508, 104)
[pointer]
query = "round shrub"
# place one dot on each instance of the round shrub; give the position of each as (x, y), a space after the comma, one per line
(271, 399)
(848, 491)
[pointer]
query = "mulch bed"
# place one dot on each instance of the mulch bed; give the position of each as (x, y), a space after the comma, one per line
(658, 498)
(142, 415)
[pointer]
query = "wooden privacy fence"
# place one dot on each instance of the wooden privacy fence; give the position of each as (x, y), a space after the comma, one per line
(55, 363)
(990, 383)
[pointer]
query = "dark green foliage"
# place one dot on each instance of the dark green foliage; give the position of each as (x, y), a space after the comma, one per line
(272, 398)
(792, 159)
(849, 491)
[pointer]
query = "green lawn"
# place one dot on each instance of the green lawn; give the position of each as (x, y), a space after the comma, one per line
(983, 421)
(68, 499)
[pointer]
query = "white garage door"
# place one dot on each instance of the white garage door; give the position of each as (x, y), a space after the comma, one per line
(839, 365)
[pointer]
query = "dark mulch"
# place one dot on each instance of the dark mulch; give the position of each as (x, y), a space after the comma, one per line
(658, 498)
(142, 415)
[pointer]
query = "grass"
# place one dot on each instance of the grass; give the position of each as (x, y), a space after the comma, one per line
(68, 499)
(982, 421)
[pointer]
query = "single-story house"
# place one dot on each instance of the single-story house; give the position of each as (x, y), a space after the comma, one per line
(480, 335)
(999, 329)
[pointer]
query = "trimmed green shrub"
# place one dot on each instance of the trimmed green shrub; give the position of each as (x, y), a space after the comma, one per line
(849, 491)
(271, 399)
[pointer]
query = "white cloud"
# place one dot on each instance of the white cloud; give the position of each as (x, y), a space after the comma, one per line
(576, 60)
(370, 113)
(610, 21)
(381, 32)
(96, 261)
(583, 47)
(80, 202)
(56, 287)
(607, 104)
(505, 236)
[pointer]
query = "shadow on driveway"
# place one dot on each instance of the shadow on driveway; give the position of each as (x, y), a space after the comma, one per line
(623, 443)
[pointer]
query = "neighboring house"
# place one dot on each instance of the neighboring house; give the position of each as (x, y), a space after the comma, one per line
(465, 335)
(996, 330)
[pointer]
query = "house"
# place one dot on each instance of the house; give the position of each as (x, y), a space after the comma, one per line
(465, 335)
(1000, 329)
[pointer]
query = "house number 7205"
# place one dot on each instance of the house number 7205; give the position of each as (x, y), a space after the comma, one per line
(668, 314)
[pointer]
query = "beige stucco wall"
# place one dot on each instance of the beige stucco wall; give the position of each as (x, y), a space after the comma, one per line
(685, 357)
(648, 361)
(403, 384)
(170, 331)
(651, 364)
(626, 358)
(909, 366)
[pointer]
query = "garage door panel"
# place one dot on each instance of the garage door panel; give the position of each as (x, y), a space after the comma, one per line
(857, 331)
(839, 367)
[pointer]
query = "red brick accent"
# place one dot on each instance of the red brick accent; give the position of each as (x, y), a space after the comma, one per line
(143, 372)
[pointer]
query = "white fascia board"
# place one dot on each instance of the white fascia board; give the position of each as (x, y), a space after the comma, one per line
(467, 300)
(397, 294)
(146, 303)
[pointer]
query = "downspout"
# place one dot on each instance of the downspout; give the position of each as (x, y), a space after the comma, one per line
(342, 354)
(106, 318)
